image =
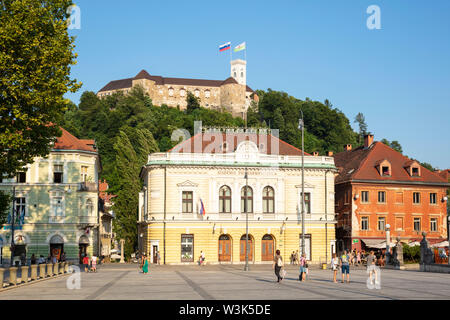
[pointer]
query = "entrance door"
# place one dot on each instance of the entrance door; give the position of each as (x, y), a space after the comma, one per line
(224, 248)
(82, 252)
(155, 254)
(267, 244)
(250, 248)
(56, 250)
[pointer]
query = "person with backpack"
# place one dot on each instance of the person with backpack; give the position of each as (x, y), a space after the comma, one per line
(303, 267)
(277, 265)
(345, 266)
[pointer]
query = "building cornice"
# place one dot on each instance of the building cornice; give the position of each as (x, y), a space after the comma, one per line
(387, 182)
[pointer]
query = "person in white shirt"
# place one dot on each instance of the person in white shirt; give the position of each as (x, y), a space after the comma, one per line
(334, 266)
(94, 263)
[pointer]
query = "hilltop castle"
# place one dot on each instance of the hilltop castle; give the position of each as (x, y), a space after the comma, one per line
(233, 94)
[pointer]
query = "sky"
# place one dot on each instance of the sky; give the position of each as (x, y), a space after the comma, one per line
(398, 76)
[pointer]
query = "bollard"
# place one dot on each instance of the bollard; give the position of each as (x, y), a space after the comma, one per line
(13, 276)
(42, 271)
(24, 277)
(49, 270)
(34, 269)
(66, 267)
(2, 271)
(56, 269)
(61, 268)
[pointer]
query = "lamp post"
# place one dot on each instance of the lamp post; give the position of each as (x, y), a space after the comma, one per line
(388, 243)
(13, 217)
(301, 125)
(448, 230)
(246, 220)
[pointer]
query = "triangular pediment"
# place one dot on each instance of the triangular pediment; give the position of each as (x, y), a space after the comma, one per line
(187, 183)
(307, 185)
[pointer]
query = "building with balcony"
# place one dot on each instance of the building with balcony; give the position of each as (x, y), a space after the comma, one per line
(56, 203)
(196, 197)
(378, 186)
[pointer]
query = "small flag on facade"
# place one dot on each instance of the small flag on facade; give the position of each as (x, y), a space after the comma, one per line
(240, 47)
(202, 208)
(225, 46)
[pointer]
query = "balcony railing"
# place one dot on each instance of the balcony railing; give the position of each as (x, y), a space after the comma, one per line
(57, 219)
(87, 220)
(88, 187)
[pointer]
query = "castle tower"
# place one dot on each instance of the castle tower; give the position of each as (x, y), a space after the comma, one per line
(239, 71)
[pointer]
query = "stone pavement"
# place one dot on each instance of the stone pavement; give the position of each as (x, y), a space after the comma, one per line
(230, 282)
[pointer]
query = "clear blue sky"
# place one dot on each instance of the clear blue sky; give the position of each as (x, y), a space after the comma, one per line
(398, 77)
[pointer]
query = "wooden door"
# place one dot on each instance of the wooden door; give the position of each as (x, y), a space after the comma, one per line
(267, 248)
(250, 249)
(155, 254)
(224, 248)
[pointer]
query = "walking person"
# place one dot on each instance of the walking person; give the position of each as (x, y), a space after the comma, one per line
(334, 266)
(86, 263)
(277, 265)
(94, 263)
(358, 258)
(303, 267)
(296, 261)
(145, 266)
(345, 266)
(33, 259)
(158, 257)
(371, 259)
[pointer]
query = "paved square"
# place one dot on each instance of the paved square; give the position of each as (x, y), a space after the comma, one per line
(223, 282)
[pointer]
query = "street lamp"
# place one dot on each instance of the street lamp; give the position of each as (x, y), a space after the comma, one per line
(448, 230)
(246, 220)
(388, 243)
(13, 218)
(301, 125)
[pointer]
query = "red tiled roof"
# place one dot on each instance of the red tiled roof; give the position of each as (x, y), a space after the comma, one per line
(69, 142)
(127, 83)
(360, 164)
(103, 194)
(211, 145)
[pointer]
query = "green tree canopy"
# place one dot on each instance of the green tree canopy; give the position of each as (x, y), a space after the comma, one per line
(35, 60)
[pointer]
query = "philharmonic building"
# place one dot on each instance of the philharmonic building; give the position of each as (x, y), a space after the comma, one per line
(196, 197)
(231, 94)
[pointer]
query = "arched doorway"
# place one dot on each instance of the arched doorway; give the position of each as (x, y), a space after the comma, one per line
(83, 245)
(267, 244)
(56, 246)
(224, 248)
(250, 248)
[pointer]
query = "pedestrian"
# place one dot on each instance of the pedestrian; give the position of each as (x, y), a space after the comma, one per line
(371, 266)
(303, 267)
(292, 257)
(277, 265)
(358, 258)
(334, 266)
(63, 257)
(145, 266)
(345, 266)
(94, 263)
(158, 257)
(33, 259)
(296, 261)
(86, 263)
(41, 259)
(142, 261)
(54, 260)
(202, 258)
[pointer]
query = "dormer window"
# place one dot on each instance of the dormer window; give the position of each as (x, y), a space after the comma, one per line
(415, 171)
(413, 168)
(384, 168)
(385, 171)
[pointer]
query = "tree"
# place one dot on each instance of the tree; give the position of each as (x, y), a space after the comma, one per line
(5, 202)
(193, 102)
(428, 166)
(361, 120)
(394, 145)
(35, 61)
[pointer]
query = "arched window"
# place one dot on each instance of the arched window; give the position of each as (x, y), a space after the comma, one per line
(197, 93)
(207, 94)
(170, 92)
(246, 194)
(268, 200)
(89, 207)
(225, 200)
(182, 92)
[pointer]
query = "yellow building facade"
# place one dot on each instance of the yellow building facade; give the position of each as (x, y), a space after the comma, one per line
(197, 197)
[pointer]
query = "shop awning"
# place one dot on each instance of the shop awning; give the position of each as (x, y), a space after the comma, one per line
(375, 243)
(440, 244)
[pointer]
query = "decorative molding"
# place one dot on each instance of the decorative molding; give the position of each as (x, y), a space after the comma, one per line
(188, 183)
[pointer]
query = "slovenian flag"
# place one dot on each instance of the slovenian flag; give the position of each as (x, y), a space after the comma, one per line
(240, 47)
(202, 208)
(225, 46)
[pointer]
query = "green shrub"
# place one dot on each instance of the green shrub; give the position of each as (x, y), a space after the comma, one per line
(411, 254)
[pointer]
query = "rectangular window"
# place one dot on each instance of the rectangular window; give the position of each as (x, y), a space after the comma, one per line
(57, 207)
(187, 201)
(381, 197)
(84, 173)
(399, 197)
(20, 210)
(415, 172)
(21, 177)
(58, 173)
(308, 249)
(364, 196)
(433, 224)
(385, 171)
(187, 248)
(417, 224)
(433, 197)
(416, 197)
(381, 223)
(365, 223)
(399, 223)
(307, 202)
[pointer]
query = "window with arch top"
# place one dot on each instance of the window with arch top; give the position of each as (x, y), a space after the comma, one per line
(246, 199)
(225, 199)
(268, 200)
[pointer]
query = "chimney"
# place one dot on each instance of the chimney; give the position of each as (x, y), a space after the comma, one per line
(348, 147)
(315, 154)
(329, 153)
(368, 140)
